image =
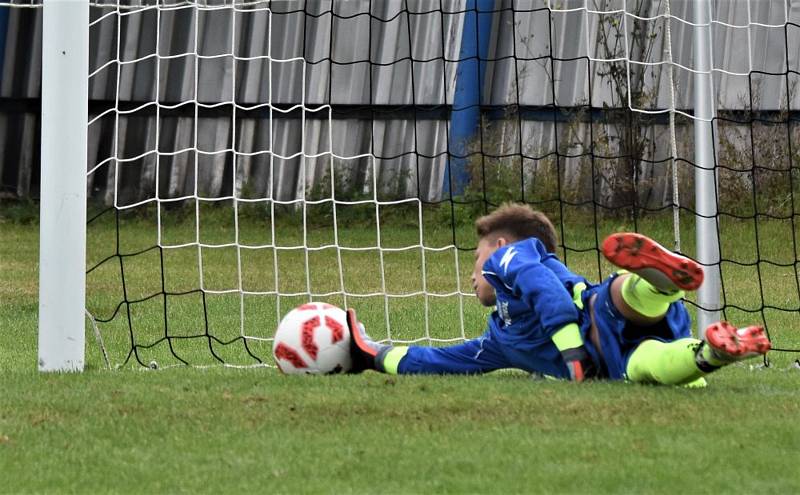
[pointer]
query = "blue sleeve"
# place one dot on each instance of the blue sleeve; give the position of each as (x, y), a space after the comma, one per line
(567, 278)
(517, 268)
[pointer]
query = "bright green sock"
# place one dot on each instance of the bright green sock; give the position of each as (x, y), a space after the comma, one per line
(671, 363)
(645, 299)
(391, 360)
(699, 383)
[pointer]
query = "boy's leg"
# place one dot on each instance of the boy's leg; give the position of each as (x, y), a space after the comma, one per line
(684, 361)
(471, 357)
(670, 363)
(658, 276)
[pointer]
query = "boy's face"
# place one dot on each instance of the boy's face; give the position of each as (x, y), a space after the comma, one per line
(482, 288)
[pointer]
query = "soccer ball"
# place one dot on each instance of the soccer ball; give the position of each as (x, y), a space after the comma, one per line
(313, 339)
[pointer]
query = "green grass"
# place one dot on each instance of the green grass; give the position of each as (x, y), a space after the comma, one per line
(234, 430)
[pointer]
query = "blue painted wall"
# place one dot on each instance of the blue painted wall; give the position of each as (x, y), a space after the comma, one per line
(3, 34)
(466, 117)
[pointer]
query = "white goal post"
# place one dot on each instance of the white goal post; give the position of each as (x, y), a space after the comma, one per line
(62, 244)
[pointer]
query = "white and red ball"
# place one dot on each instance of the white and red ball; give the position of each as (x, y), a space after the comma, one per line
(313, 339)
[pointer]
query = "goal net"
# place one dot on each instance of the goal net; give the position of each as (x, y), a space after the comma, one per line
(246, 158)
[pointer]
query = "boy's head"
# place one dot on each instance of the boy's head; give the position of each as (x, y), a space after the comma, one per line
(511, 222)
(515, 222)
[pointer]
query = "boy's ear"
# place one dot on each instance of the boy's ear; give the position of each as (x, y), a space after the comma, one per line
(501, 241)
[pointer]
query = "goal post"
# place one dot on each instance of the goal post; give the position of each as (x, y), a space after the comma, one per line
(708, 297)
(62, 242)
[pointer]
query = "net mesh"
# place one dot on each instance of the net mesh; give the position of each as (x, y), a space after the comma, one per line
(248, 158)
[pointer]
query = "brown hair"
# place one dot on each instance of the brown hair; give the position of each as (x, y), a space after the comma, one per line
(518, 221)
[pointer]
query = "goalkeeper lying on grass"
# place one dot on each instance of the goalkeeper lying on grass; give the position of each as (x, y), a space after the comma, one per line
(551, 321)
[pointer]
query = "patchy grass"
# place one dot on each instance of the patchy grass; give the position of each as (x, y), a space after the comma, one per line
(232, 430)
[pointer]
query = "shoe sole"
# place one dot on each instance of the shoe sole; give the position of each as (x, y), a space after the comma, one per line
(738, 343)
(635, 252)
(355, 335)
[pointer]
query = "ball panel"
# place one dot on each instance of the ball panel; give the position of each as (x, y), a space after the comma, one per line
(308, 328)
(337, 328)
(284, 352)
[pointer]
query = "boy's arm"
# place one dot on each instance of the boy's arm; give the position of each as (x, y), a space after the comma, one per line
(566, 335)
(569, 342)
(524, 274)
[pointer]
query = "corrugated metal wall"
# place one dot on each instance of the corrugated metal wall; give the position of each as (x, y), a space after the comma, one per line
(388, 70)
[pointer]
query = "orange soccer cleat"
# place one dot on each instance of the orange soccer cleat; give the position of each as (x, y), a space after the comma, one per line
(731, 344)
(665, 270)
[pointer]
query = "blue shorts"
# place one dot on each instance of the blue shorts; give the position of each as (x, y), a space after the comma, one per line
(617, 337)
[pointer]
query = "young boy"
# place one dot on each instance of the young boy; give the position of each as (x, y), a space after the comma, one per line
(551, 321)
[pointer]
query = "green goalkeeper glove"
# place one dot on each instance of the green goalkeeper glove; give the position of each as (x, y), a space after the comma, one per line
(569, 342)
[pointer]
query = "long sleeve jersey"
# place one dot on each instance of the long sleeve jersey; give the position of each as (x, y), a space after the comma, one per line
(534, 295)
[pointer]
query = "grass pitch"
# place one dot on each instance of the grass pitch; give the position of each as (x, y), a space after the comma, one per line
(234, 430)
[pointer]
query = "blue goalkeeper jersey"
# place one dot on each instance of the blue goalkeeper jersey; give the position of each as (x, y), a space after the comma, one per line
(534, 298)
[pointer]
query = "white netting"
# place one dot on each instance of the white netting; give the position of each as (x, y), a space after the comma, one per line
(264, 154)
(123, 118)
